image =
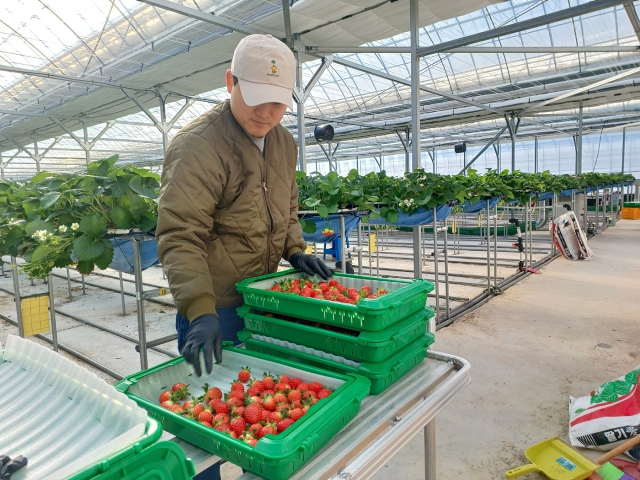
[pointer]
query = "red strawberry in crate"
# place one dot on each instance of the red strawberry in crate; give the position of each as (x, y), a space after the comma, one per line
(269, 429)
(253, 391)
(268, 381)
(294, 395)
(205, 416)
(295, 382)
(237, 386)
(296, 414)
(165, 396)
(197, 410)
(265, 415)
(207, 424)
(244, 374)
(324, 393)
(238, 425)
(279, 398)
(252, 414)
(220, 418)
(303, 387)
(258, 385)
(180, 391)
(255, 430)
(213, 394)
(315, 387)
(268, 403)
(223, 427)
(236, 402)
(236, 394)
(284, 424)
(176, 408)
(220, 407)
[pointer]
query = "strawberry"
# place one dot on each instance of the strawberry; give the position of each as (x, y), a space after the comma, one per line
(167, 404)
(207, 424)
(268, 381)
(220, 407)
(282, 406)
(296, 404)
(165, 396)
(220, 418)
(180, 391)
(197, 410)
(237, 412)
(284, 424)
(280, 398)
(176, 408)
(269, 429)
(306, 292)
(265, 415)
(236, 394)
(237, 386)
(276, 288)
(269, 403)
(267, 392)
(303, 387)
(212, 394)
(253, 391)
(323, 286)
(237, 426)
(252, 414)
(249, 439)
(333, 283)
(324, 393)
(284, 379)
(244, 375)
(281, 387)
(294, 395)
(296, 414)
(295, 382)
(205, 416)
(258, 385)
(255, 430)
(367, 289)
(223, 427)
(236, 402)
(315, 387)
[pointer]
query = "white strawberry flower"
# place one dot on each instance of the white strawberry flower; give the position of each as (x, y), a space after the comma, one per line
(62, 228)
(75, 226)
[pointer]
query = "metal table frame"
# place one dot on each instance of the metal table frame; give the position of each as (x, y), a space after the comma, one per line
(386, 422)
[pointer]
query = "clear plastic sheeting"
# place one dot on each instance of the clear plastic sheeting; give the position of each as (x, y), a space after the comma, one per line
(58, 415)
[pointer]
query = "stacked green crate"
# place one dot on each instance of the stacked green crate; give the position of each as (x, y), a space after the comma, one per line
(381, 339)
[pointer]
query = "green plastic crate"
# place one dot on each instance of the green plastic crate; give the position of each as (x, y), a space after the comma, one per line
(142, 456)
(162, 461)
(405, 297)
(631, 204)
(274, 457)
(366, 347)
(381, 375)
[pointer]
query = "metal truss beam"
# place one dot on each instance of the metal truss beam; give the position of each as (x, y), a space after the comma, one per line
(287, 22)
(484, 148)
(326, 63)
(633, 17)
(207, 17)
(555, 49)
(583, 89)
(586, 8)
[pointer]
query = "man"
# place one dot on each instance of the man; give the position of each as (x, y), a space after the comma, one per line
(228, 207)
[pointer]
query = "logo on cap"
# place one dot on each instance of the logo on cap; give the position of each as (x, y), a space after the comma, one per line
(274, 69)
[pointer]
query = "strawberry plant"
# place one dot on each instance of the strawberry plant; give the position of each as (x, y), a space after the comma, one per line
(56, 220)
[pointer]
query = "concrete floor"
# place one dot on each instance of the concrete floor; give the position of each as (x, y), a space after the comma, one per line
(560, 333)
(557, 334)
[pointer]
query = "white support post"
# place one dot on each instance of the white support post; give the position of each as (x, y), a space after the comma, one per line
(415, 127)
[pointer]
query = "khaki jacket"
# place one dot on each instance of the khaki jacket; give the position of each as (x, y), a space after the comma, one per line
(226, 212)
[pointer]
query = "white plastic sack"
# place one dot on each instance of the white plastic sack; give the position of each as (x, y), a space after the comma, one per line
(569, 238)
(608, 416)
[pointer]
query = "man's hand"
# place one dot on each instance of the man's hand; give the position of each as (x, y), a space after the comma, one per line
(204, 332)
(309, 264)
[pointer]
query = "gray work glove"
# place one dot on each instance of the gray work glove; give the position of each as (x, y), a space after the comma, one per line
(309, 264)
(204, 332)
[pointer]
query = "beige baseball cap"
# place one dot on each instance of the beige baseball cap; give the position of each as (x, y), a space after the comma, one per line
(265, 68)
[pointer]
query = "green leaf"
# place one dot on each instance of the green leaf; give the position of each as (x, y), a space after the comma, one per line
(137, 203)
(392, 215)
(121, 217)
(632, 377)
(87, 248)
(141, 172)
(120, 185)
(33, 227)
(147, 222)
(323, 210)
(41, 252)
(93, 226)
(85, 266)
(49, 199)
(308, 226)
(104, 260)
(30, 208)
(143, 189)
(55, 184)
(41, 176)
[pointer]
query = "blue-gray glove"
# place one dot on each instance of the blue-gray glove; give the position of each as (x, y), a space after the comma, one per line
(204, 332)
(309, 264)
